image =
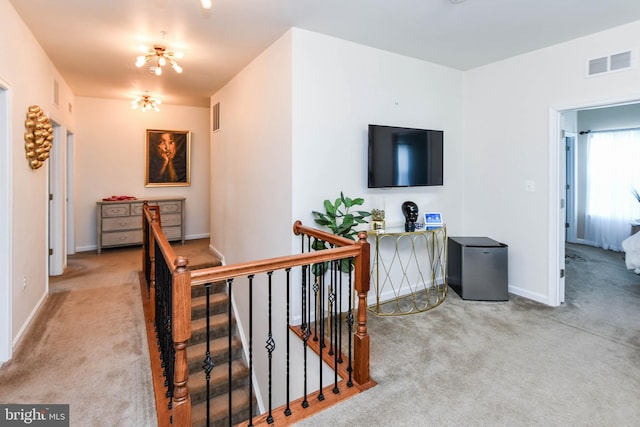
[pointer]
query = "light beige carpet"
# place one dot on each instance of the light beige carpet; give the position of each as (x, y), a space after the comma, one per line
(516, 363)
(87, 345)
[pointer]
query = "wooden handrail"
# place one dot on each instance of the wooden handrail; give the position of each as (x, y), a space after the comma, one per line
(299, 229)
(214, 274)
(183, 279)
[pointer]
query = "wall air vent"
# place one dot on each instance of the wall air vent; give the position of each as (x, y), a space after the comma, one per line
(608, 64)
(215, 117)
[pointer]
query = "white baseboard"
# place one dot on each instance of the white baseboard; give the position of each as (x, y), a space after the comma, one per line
(217, 254)
(543, 299)
(94, 247)
(27, 323)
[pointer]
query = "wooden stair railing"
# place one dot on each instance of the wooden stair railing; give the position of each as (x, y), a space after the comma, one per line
(181, 279)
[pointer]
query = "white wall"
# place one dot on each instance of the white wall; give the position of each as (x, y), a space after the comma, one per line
(110, 160)
(339, 88)
(29, 74)
(251, 182)
(294, 132)
(509, 116)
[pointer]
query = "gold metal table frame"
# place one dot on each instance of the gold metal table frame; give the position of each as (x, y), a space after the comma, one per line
(408, 271)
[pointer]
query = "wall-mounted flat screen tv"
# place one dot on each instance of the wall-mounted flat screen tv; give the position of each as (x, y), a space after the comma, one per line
(405, 157)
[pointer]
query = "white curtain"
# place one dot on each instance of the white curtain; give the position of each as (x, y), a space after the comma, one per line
(613, 171)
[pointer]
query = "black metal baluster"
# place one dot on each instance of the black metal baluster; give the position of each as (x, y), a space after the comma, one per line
(332, 299)
(287, 411)
(339, 312)
(208, 363)
(251, 350)
(271, 346)
(305, 331)
(321, 346)
(229, 354)
(350, 328)
(334, 339)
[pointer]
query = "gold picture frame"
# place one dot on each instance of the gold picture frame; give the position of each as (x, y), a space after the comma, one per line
(168, 158)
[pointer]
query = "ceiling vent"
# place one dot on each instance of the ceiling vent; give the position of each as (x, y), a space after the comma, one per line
(608, 64)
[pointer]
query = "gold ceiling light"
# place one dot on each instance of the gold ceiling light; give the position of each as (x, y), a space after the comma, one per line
(162, 57)
(146, 102)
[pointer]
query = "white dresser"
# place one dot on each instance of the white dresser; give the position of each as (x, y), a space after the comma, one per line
(120, 222)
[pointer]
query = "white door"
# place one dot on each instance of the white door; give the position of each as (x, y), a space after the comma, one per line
(57, 251)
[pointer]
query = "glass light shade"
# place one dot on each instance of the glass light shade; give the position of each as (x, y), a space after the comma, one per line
(162, 61)
(158, 71)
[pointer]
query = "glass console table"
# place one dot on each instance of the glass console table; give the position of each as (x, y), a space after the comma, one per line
(408, 272)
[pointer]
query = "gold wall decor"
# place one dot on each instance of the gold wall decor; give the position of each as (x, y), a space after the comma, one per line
(38, 137)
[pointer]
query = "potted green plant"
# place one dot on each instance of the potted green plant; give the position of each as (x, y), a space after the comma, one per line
(342, 221)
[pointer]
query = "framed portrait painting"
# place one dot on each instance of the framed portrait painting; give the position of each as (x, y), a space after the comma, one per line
(168, 158)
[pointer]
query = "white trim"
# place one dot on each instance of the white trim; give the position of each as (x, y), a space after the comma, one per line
(56, 208)
(6, 223)
(27, 323)
(555, 135)
(555, 221)
(524, 293)
(69, 202)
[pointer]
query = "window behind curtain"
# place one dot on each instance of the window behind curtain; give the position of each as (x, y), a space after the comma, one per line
(613, 171)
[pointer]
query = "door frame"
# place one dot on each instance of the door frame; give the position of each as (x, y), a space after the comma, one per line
(56, 208)
(6, 224)
(571, 139)
(557, 176)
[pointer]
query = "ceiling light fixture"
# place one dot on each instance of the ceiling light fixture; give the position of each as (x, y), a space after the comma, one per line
(206, 4)
(146, 102)
(162, 57)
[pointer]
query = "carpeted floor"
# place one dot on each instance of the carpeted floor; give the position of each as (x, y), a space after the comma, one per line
(516, 363)
(465, 363)
(87, 345)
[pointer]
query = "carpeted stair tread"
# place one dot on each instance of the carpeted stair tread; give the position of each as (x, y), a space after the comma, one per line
(219, 380)
(218, 327)
(199, 290)
(218, 303)
(219, 406)
(218, 352)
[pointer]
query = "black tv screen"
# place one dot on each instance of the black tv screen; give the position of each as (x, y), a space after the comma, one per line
(404, 157)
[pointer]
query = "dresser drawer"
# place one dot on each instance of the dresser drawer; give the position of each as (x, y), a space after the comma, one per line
(115, 210)
(170, 207)
(169, 220)
(123, 223)
(122, 238)
(172, 233)
(165, 207)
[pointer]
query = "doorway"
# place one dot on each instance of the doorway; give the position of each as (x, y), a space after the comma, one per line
(562, 203)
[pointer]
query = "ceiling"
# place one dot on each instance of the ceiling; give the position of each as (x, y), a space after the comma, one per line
(94, 43)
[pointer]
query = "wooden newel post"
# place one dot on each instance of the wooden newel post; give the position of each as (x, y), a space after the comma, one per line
(181, 334)
(152, 260)
(361, 285)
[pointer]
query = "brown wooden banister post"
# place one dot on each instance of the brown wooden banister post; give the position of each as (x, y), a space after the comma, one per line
(152, 262)
(181, 307)
(361, 285)
(145, 241)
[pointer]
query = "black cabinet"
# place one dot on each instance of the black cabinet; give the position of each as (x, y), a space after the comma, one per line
(477, 268)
